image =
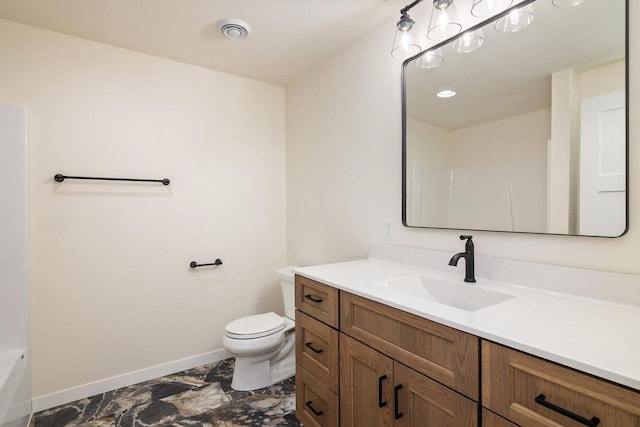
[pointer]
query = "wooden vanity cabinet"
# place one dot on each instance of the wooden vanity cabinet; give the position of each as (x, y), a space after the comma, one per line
(533, 392)
(362, 363)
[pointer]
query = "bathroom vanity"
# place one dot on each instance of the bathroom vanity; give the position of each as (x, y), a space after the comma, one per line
(373, 351)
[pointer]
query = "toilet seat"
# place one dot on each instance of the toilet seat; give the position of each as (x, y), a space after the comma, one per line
(256, 326)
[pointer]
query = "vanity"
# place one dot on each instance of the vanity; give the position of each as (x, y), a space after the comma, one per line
(372, 350)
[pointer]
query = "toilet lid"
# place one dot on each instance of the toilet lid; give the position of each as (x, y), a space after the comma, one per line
(256, 326)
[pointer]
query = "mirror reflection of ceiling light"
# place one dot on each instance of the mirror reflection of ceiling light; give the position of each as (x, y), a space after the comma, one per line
(487, 8)
(431, 59)
(567, 3)
(516, 20)
(447, 93)
(468, 42)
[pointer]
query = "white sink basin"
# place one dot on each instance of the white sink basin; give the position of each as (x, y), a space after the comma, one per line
(461, 295)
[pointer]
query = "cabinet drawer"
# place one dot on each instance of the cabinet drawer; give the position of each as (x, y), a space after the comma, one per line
(317, 300)
(317, 350)
(445, 354)
(489, 419)
(316, 405)
(533, 392)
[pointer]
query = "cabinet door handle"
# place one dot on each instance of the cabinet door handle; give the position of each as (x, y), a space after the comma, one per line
(308, 405)
(541, 400)
(381, 404)
(313, 298)
(396, 414)
(315, 350)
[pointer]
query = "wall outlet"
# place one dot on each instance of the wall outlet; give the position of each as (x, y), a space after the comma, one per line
(388, 230)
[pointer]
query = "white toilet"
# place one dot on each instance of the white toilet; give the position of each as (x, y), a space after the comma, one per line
(264, 344)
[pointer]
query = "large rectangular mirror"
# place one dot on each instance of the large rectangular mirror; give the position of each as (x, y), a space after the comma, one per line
(535, 138)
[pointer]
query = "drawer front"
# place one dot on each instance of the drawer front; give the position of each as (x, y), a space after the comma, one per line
(533, 392)
(317, 300)
(317, 350)
(316, 405)
(489, 419)
(445, 354)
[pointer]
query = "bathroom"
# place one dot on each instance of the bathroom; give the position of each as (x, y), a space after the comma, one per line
(304, 168)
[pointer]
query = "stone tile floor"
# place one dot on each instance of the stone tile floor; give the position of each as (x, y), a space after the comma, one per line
(200, 397)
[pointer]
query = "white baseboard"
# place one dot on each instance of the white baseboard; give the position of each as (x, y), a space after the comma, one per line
(47, 401)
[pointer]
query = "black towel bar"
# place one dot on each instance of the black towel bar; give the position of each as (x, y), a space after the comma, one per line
(59, 178)
(194, 264)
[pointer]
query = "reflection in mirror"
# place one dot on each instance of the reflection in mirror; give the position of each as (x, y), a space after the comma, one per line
(534, 139)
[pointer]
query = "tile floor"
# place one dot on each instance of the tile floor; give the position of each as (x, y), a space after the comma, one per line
(200, 397)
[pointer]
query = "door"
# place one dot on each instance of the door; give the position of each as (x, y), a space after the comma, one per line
(424, 402)
(366, 378)
(603, 166)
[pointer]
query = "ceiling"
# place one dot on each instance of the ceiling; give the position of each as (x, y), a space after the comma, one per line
(288, 37)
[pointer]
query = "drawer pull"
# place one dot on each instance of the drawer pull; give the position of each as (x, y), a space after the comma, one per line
(315, 350)
(541, 400)
(308, 405)
(313, 298)
(381, 404)
(396, 414)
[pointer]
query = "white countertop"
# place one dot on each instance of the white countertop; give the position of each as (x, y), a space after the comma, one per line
(595, 336)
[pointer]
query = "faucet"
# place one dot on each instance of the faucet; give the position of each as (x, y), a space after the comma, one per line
(469, 264)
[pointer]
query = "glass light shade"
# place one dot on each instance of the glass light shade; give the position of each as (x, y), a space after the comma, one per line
(444, 24)
(516, 20)
(486, 8)
(468, 42)
(567, 3)
(431, 59)
(405, 44)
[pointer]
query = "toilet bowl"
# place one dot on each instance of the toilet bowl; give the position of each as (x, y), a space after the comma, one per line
(264, 344)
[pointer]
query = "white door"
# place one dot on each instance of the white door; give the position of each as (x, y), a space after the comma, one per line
(603, 166)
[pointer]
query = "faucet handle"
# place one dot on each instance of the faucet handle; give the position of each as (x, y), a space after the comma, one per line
(466, 236)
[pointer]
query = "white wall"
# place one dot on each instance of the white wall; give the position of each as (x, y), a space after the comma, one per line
(344, 168)
(112, 291)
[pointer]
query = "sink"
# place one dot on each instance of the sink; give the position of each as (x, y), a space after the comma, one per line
(463, 296)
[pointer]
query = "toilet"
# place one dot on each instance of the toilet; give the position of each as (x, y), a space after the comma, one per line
(264, 344)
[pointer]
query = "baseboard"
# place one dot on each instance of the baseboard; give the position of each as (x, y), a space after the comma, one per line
(47, 401)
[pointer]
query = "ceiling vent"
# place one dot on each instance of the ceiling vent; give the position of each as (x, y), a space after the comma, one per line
(234, 29)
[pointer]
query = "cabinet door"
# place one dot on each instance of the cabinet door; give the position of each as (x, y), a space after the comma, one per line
(424, 402)
(366, 385)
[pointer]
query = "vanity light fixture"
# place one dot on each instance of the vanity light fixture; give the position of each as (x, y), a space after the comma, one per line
(405, 42)
(431, 59)
(444, 22)
(447, 93)
(516, 20)
(487, 8)
(567, 3)
(468, 42)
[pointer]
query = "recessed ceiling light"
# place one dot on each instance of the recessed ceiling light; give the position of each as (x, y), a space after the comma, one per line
(448, 93)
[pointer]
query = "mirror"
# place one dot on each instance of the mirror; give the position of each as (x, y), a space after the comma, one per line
(535, 139)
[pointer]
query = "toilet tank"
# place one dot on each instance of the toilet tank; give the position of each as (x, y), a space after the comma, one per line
(287, 285)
